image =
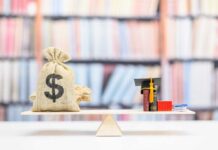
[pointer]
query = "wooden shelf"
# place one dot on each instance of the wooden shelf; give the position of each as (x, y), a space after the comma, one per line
(112, 112)
(202, 109)
(17, 16)
(121, 61)
(108, 61)
(17, 58)
(192, 60)
(193, 16)
(95, 61)
(114, 61)
(65, 17)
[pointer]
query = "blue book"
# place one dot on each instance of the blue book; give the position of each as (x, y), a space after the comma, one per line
(55, 8)
(113, 84)
(23, 82)
(186, 87)
(97, 39)
(85, 43)
(33, 76)
(139, 72)
(125, 82)
(109, 39)
(17, 112)
(7, 84)
(10, 113)
(6, 7)
(72, 38)
(1, 81)
(81, 76)
(46, 27)
(96, 83)
(15, 81)
(59, 8)
(124, 41)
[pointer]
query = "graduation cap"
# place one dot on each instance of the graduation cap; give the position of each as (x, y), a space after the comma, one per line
(145, 82)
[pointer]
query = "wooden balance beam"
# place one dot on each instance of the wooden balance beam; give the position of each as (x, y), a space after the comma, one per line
(109, 126)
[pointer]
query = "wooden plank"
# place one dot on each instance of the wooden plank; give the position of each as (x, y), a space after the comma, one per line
(112, 112)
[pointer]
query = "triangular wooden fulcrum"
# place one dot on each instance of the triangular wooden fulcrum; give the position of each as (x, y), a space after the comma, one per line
(109, 127)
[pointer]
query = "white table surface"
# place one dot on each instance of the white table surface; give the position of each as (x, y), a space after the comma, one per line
(171, 135)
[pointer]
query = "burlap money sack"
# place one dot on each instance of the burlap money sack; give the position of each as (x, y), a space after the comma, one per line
(56, 90)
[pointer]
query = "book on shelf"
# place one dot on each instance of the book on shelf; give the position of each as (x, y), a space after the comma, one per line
(32, 77)
(119, 90)
(23, 80)
(15, 37)
(20, 7)
(1, 82)
(131, 90)
(192, 7)
(124, 83)
(6, 79)
(215, 85)
(96, 77)
(14, 81)
(103, 39)
(19, 80)
(191, 83)
(112, 84)
(2, 113)
(188, 38)
(115, 8)
(205, 38)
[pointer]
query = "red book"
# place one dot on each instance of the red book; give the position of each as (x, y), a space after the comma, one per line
(9, 37)
(76, 29)
(2, 113)
(146, 99)
(14, 6)
(1, 6)
(164, 105)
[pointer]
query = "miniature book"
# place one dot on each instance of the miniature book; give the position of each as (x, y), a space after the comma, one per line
(56, 90)
(149, 88)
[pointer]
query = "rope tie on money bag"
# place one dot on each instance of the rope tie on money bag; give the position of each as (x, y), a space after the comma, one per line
(56, 90)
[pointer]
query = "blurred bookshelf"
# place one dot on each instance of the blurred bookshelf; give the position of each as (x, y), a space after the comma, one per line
(111, 45)
(191, 55)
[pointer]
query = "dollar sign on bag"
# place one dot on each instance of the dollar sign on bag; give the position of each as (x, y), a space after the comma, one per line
(50, 81)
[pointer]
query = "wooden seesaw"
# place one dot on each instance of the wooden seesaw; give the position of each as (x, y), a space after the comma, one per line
(109, 126)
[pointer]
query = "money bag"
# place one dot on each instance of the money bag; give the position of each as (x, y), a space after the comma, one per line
(56, 90)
